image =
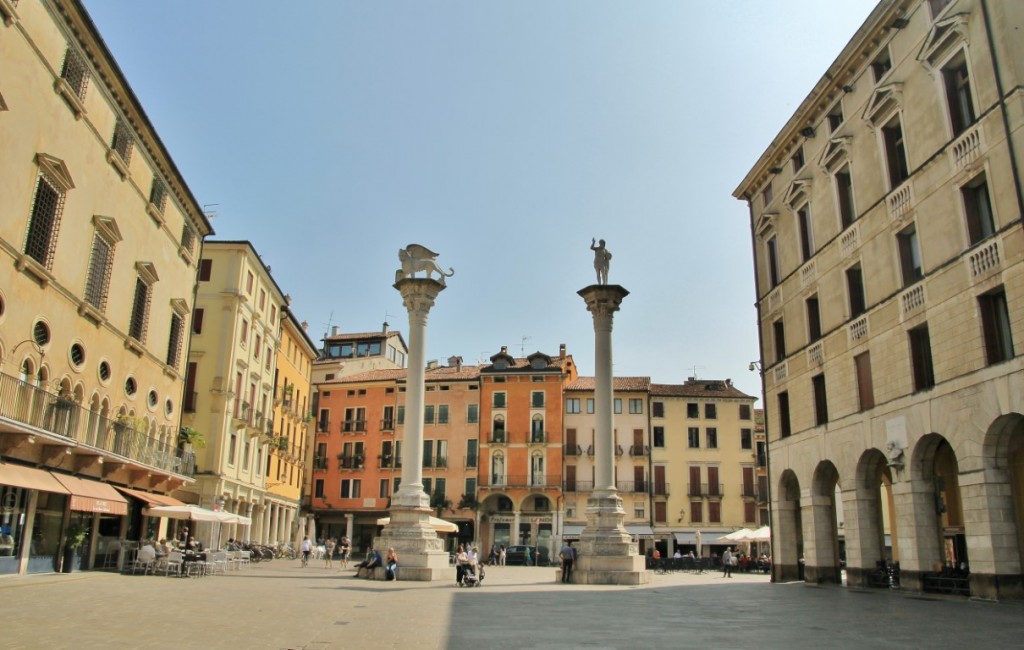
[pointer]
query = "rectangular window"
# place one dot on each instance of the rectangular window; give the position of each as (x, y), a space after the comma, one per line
(803, 217)
(140, 311)
(246, 453)
(767, 195)
(248, 282)
(835, 117)
(659, 437)
(245, 332)
(75, 72)
(714, 487)
(428, 414)
(855, 291)
(472, 413)
(813, 319)
(318, 488)
(197, 320)
(696, 512)
(617, 406)
(572, 405)
(499, 400)
(256, 348)
(123, 142)
(442, 414)
(658, 409)
(537, 399)
(711, 437)
(384, 485)
(995, 324)
(41, 241)
(693, 437)
(779, 332)
(820, 400)
(711, 411)
(636, 406)
(910, 255)
(174, 340)
(978, 208)
(714, 512)
(191, 397)
(881, 65)
(638, 509)
(895, 153)
(101, 263)
(797, 161)
(844, 197)
(785, 429)
(921, 357)
(774, 270)
(746, 439)
(660, 512)
(958, 94)
(232, 447)
(263, 299)
(471, 452)
(590, 405)
(749, 511)
(865, 387)
(400, 417)
(428, 453)
(205, 270)
(470, 492)
(692, 410)
(744, 411)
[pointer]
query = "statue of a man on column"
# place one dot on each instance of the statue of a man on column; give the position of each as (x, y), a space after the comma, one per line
(602, 257)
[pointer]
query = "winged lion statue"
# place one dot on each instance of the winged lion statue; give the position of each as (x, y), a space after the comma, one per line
(416, 258)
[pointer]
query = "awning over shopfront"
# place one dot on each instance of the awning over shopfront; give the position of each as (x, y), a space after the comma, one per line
(30, 478)
(93, 496)
(572, 531)
(709, 536)
(150, 499)
(640, 530)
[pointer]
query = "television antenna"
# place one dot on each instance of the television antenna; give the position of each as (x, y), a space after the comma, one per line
(522, 345)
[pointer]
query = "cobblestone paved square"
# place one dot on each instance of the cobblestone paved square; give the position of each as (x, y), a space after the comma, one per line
(280, 605)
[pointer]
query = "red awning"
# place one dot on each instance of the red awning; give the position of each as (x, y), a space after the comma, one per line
(92, 496)
(151, 499)
(30, 478)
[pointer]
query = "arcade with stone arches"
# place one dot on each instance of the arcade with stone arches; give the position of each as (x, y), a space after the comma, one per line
(948, 510)
(511, 519)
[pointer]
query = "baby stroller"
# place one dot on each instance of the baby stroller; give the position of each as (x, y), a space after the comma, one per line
(473, 576)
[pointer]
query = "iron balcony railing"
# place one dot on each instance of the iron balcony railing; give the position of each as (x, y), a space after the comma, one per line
(577, 486)
(513, 480)
(705, 490)
(573, 450)
(353, 426)
(350, 462)
(469, 462)
(538, 437)
(319, 462)
(60, 416)
(190, 402)
(387, 425)
(762, 460)
(323, 426)
(631, 486)
(661, 489)
(639, 450)
(437, 462)
(497, 437)
(748, 490)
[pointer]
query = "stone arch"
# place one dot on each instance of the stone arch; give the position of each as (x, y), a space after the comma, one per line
(1003, 499)
(938, 509)
(788, 548)
(872, 512)
(821, 543)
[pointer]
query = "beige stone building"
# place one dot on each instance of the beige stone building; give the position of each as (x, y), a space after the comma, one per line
(703, 463)
(100, 237)
(886, 225)
(631, 446)
(236, 332)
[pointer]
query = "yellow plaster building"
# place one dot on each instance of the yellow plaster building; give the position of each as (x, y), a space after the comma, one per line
(100, 237)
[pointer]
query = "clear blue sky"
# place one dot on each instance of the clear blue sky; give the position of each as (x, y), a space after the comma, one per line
(504, 136)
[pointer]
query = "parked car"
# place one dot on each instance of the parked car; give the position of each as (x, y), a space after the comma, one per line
(539, 555)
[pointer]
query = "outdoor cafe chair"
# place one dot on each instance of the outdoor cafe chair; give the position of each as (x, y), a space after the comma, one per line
(173, 562)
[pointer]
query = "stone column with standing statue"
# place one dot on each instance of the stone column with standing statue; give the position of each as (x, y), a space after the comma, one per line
(608, 554)
(422, 553)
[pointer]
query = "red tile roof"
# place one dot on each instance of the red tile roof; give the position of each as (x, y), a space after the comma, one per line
(713, 388)
(621, 384)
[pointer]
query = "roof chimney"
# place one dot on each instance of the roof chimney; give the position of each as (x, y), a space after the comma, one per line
(455, 362)
(305, 326)
(504, 349)
(561, 351)
(432, 364)
(335, 330)
(385, 327)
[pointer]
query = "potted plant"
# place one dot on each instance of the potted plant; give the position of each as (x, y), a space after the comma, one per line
(74, 537)
(188, 435)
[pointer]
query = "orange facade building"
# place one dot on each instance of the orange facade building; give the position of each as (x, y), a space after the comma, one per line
(521, 447)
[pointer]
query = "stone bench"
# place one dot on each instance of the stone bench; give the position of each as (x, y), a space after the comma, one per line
(378, 573)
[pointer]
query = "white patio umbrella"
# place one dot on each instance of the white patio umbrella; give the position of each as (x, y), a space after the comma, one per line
(740, 535)
(440, 525)
(762, 534)
(697, 537)
(195, 513)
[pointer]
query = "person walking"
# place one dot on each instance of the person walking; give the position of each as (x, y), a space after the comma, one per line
(568, 555)
(461, 562)
(501, 556)
(727, 563)
(346, 546)
(306, 547)
(329, 553)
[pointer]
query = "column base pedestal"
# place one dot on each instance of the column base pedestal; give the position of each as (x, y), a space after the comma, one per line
(608, 555)
(421, 554)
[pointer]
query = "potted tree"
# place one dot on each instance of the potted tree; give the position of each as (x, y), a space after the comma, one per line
(74, 537)
(188, 435)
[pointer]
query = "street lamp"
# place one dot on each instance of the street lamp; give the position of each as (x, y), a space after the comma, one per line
(754, 365)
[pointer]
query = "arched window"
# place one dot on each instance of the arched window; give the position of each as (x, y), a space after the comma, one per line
(498, 434)
(498, 469)
(537, 469)
(537, 428)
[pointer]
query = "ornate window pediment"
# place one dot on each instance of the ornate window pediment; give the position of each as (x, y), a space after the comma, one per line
(885, 101)
(765, 223)
(179, 306)
(835, 154)
(56, 170)
(147, 272)
(799, 192)
(108, 228)
(943, 37)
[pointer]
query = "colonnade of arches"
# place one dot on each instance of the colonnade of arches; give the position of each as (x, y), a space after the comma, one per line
(940, 506)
